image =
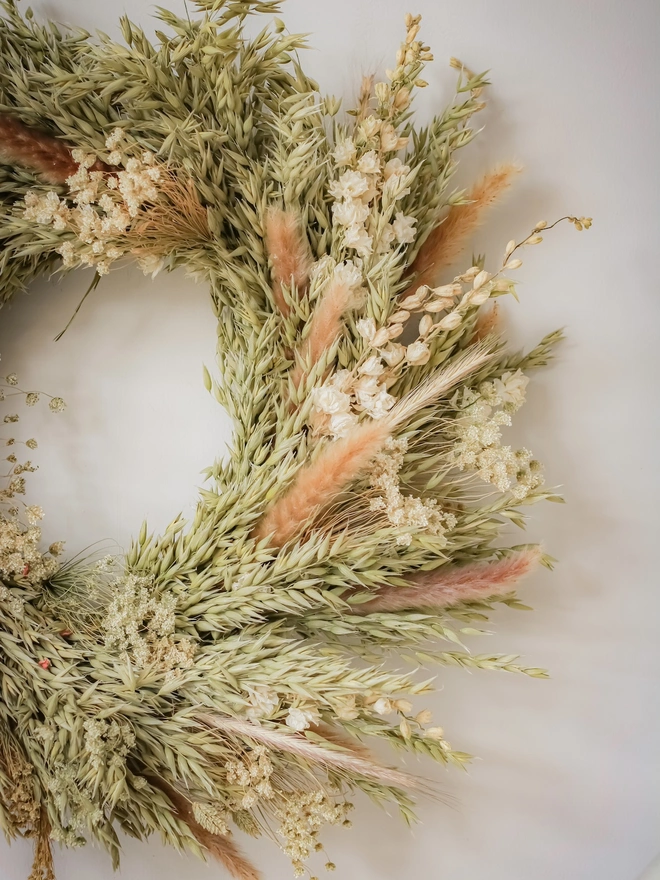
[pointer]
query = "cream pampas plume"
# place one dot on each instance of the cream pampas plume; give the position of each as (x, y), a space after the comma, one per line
(46, 156)
(332, 758)
(440, 588)
(449, 238)
(289, 253)
(216, 845)
(318, 484)
(325, 327)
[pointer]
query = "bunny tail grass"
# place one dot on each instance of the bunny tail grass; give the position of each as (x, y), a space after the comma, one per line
(318, 484)
(448, 239)
(325, 327)
(289, 253)
(46, 156)
(220, 847)
(440, 588)
(332, 758)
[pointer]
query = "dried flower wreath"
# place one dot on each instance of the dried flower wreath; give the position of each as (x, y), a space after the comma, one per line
(225, 674)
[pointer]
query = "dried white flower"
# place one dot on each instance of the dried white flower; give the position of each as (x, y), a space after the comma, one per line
(300, 719)
(329, 399)
(351, 185)
(358, 238)
(404, 227)
(369, 163)
(344, 152)
(350, 212)
(418, 353)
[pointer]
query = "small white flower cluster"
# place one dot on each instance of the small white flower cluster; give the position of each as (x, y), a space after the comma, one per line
(77, 810)
(478, 443)
(347, 393)
(251, 774)
(366, 191)
(406, 512)
(101, 207)
(20, 558)
(108, 742)
(302, 817)
(141, 623)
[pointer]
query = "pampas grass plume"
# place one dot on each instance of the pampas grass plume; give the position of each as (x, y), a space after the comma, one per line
(289, 253)
(447, 240)
(440, 588)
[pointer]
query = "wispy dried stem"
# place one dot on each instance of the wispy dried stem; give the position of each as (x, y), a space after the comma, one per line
(487, 324)
(178, 220)
(277, 739)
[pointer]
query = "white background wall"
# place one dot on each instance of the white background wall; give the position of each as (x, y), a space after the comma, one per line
(568, 785)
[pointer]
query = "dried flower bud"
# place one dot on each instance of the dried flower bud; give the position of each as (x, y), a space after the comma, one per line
(439, 305)
(399, 317)
(402, 99)
(509, 249)
(450, 321)
(425, 325)
(405, 729)
(534, 239)
(424, 716)
(479, 297)
(513, 264)
(404, 706)
(383, 336)
(436, 733)
(418, 354)
(382, 90)
(481, 279)
(393, 354)
(394, 331)
(540, 225)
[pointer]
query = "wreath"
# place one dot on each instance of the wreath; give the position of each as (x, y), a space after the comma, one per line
(225, 675)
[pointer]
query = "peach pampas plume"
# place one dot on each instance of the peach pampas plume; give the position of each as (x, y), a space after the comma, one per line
(448, 239)
(325, 326)
(217, 845)
(44, 155)
(289, 254)
(440, 588)
(333, 758)
(318, 484)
